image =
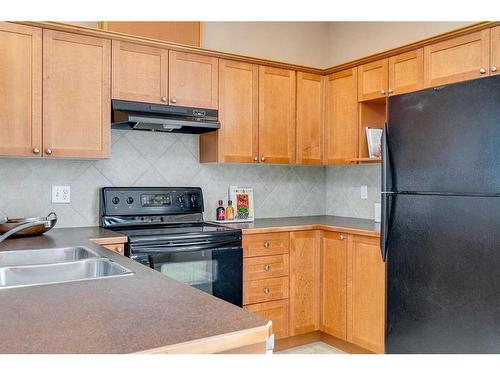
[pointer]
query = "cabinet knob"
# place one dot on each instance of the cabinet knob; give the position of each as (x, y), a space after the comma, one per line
(266, 244)
(118, 249)
(36, 150)
(493, 68)
(382, 92)
(174, 100)
(263, 159)
(482, 71)
(390, 91)
(266, 290)
(341, 237)
(255, 158)
(164, 99)
(48, 151)
(266, 267)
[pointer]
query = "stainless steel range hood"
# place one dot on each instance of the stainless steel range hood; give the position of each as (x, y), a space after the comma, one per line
(164, 118)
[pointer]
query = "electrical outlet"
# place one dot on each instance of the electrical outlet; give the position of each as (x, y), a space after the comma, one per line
(364, 192)
(61, 194)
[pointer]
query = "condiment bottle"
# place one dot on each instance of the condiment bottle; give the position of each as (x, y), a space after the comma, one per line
(220, 213)
(229, 210)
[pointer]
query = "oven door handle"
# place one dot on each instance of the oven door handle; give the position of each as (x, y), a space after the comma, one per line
(179, 249)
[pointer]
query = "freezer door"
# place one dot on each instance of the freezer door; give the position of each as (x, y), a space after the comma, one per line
(446, 139)
(443, 275)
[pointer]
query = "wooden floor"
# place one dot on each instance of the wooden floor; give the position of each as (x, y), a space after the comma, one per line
(312, 348)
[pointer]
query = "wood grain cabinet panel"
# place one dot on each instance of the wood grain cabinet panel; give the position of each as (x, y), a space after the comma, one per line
(237, 139)
(406, 72)
(276, 312)
(20, 90)
(495, 50)
(310, 113)
(304, 281)
(116, 247)
(256, 291)
(341, 129)
(265, 267)
(139, 73)
(265, 244)
(277, 115)
(76, 95)
(193, 80)
(458, 59)
(334, 284)
(373, 80)
(366, 294)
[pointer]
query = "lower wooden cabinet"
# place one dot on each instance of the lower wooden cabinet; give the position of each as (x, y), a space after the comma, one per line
(116, 247)
(275, 311)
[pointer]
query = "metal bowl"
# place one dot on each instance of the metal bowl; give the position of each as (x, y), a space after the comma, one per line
(44, 224)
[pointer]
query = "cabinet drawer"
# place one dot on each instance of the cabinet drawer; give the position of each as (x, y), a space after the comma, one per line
(258, 268)
(265, 290)
(276, 312)
(116, 247)
(265, 244)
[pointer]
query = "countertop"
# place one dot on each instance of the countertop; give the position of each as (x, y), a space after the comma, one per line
(324, 222)
(127, 314)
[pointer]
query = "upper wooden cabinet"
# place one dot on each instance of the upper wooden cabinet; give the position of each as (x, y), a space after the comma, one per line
(458, 59)
(140, 73)
(310, 113)
(406, 72)
(304, 281)
(334, 284)
(366, 294)
(341, 129)
(373, 80)
(237, 139)
(20, 90)
(193, 80)
(276, 115)
(76, 95)
(495, 50)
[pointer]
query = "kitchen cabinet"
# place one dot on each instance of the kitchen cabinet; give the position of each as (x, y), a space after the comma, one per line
(310, 113)
(334, 284)
(276, 115)
(76, 95)
(256, 291)
(373, 80)
(265, 244)
(366, 294)
(495, 50)
(237, 139)
(341, 130)
(406, 72)
(193, 80)
(304, 281)
(276, 312)
(140, 73)
(20, 90)
(458, 59)
(265, 267)
(116, 247)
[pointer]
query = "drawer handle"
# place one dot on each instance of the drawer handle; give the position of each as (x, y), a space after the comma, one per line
(118, 249)
(266, 244)
(266, 267)
(266, 290)
(341, 236)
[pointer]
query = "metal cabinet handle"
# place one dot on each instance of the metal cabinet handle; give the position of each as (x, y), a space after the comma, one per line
(390, 91)
(493, 68)
(341, 237)
(36, 150)
(255, 158)
(266, 290)
(266, 267)
(266, 244)
(48, 151)
(263, 159)
(164, 99)
(118, 249)
(382, 92)
(174, 100)
(482, 71)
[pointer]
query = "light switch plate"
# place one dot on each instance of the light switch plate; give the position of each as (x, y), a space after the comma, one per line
(61, 194)
(364, 192)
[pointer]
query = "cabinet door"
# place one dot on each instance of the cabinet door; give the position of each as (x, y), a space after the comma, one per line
(276, 115)
(193, 80)
(406, 72)
(495, 50)
(76, 95)
(458, 59)
(373, 80)
(310, 89)
(334, 284)
(276, 312)
(304, 281)
(238, 111)
(341, 130)
(366, 294)
(140, 73)
(20, 90)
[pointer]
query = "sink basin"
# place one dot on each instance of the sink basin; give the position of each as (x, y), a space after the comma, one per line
(43, 256)
(40, 274)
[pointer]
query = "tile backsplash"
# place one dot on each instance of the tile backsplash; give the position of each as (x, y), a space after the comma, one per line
(154, 159)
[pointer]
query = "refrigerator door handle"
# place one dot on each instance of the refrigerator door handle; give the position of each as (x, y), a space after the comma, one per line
(385, 223)
(386, 163)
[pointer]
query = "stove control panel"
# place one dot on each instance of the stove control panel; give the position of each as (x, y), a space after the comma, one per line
(151, 201)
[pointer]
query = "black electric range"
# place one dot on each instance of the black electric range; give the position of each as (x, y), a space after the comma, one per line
(166, 232)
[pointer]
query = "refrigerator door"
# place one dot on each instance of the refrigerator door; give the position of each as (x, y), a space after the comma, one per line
(443, 275)
(446, 139)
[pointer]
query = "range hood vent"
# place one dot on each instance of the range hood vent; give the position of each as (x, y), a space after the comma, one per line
(163, 118)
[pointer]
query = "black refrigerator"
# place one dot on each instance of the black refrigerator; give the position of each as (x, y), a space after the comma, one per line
(440, 230)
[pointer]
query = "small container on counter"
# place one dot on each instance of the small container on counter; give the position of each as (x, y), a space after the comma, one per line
(229, 210)
(220, 213)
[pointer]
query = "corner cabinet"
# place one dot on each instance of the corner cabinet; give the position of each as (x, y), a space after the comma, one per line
(20, 90)
(76, 95)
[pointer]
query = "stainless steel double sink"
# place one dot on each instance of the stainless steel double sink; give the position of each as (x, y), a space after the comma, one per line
(21, 268)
